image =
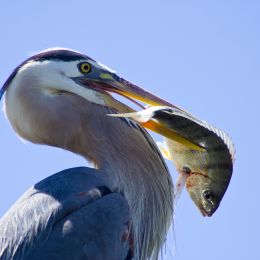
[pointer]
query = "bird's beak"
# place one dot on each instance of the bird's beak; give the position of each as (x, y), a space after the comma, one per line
(111, 82)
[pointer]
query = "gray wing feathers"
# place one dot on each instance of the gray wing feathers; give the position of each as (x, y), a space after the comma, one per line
(70, 215)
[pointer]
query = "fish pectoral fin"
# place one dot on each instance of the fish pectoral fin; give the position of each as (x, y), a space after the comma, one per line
(164, 150)
(180, 184)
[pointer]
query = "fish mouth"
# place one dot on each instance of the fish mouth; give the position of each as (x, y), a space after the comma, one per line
(207, 210)
(205, 213)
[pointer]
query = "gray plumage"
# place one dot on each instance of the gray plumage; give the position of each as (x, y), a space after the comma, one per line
(70, 215)
(49, 100)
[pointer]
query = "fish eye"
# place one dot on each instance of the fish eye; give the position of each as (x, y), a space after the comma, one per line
(84, 67)
(208, 195)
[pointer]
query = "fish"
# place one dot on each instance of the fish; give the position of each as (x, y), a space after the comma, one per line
(204, 163)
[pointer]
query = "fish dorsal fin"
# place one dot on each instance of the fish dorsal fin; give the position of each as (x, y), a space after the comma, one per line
(223, 136)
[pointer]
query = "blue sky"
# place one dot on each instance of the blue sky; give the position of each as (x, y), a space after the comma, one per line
(203, 56)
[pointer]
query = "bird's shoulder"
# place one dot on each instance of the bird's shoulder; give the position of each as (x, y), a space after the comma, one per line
(68, 215)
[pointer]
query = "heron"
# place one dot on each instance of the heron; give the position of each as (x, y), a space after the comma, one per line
(120, 209)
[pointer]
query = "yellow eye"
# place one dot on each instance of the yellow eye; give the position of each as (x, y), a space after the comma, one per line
(84, 67)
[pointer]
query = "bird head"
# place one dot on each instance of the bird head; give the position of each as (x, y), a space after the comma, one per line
(64, 70)
(58, 71)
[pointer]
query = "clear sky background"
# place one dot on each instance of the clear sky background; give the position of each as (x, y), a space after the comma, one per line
(203, 56)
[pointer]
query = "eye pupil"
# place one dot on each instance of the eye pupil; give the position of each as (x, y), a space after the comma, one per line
(84, 67)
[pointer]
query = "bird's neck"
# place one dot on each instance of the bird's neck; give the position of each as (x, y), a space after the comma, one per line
(123, 150)
(134, 165)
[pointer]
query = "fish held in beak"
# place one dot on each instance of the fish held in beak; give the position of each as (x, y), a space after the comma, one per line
(107, 82)
(206, 172)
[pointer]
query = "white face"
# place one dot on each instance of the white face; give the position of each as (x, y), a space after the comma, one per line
(59, 74)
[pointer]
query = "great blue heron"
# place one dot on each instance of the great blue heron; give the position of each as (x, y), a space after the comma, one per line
(61, 98)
